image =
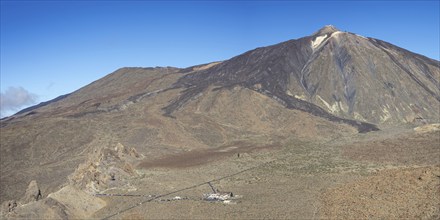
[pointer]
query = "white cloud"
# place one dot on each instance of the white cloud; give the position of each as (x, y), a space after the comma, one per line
(15, 98)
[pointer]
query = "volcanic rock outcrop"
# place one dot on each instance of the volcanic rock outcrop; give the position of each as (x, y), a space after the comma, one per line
(106, 168)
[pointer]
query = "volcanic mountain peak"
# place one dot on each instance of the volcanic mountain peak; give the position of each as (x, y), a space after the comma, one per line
(329, 73)
(324, 34)
(328, 29)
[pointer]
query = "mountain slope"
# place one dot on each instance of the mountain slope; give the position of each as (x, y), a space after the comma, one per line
(48, 143)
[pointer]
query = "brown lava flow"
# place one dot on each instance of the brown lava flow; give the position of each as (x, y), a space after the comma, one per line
(199, 157)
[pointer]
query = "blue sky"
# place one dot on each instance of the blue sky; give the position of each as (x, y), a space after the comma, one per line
(50, 48)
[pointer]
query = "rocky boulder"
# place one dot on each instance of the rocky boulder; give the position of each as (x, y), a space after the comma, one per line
(32, 194)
